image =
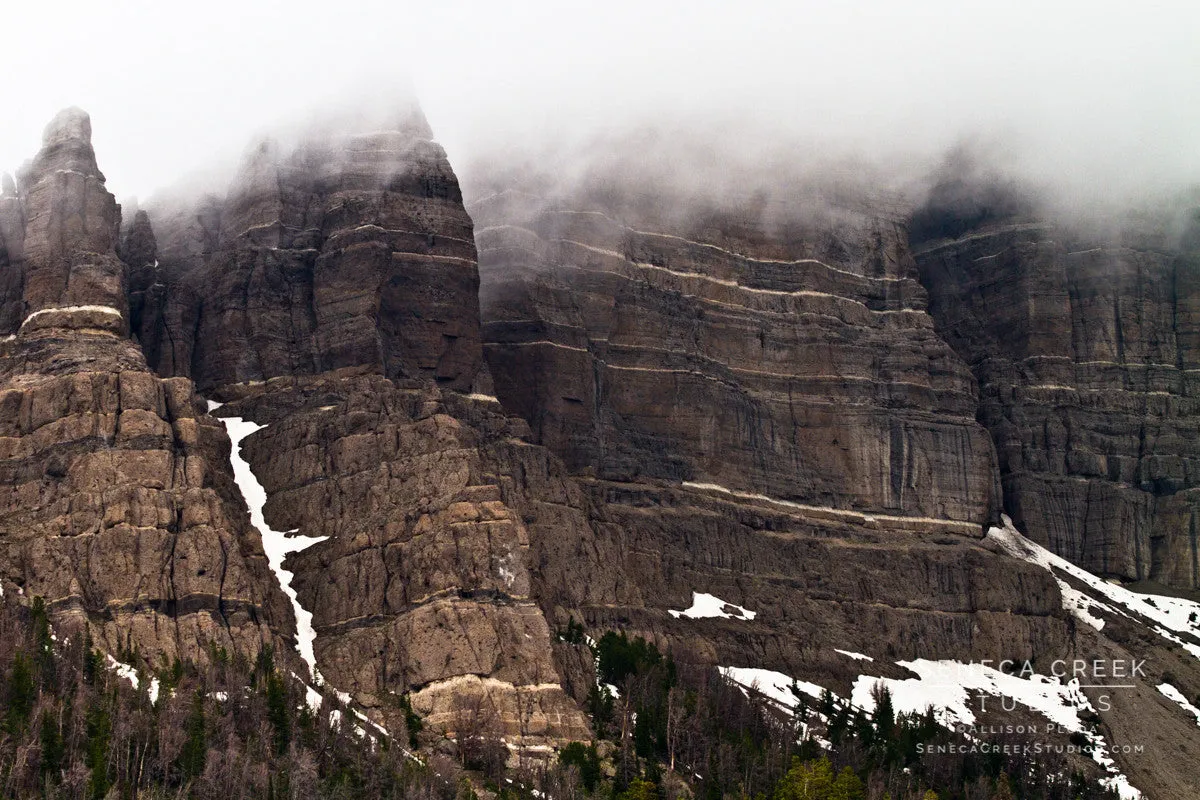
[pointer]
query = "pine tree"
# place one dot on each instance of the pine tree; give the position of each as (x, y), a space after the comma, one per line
(277, 711)
(52, 746)
(22, 692)
(195, 748)
(99, 731)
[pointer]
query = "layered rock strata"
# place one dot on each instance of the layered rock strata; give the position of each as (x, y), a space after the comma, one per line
(119, 507)
(764, 415)
(801, 366)
(1085, 350)
(424, 584)
(332, 297)
(347, 249)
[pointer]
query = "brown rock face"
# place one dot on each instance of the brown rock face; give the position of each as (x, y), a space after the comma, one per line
(762, 414)
(424, 583)
(332, 296)
(349, 250)
(72, 277)
(799, 364)
(1084, 347)
(119, 509)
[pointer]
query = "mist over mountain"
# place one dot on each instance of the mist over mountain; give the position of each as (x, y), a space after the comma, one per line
(601, 401)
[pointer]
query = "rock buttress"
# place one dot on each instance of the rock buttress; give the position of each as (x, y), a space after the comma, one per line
(120, 509)
(1084, 347)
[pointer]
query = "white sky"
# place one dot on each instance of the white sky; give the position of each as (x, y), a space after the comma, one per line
(1091, 89)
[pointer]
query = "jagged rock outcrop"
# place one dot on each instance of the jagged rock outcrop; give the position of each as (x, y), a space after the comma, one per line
(70, 224)
(695, 403)
(348, 249)
(119, 509)
(424, 585)
(333, 297)
(768, 417)
(1084, 345)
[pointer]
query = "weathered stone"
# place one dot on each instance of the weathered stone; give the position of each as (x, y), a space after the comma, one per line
(349, 250)
(763, 364)
(1084, 346)
(120, 508)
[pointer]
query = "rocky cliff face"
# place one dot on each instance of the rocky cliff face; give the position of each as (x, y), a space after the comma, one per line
(119, 507)
(348, 249)
(799, 364)
(1084, 347)
(776, 413)
(769, 418)
(332, 298)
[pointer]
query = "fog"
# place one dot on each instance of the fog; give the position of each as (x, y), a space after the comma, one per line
(1095, 99)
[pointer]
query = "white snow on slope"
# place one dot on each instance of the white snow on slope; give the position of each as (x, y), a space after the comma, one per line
(708, 605)
(1169, 615)
(854, 655)
(277, 544)
(778, 688)
(944, 685)
(1174, 694)
(130, 674)
(774, 685)
(947, 687)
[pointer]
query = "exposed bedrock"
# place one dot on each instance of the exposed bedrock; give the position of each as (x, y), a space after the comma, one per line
(345, 250)
(119, 508)
(1086, 352)
(800, 365)
(58, 233)
(766, 415)
(425, 584)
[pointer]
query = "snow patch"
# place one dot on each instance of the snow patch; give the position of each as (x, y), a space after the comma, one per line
(708, 605)
(1169, 615)
(277, 544)
(946, 687)
(854, 655)
(774, 685)
(1174, 694)
(130, 674)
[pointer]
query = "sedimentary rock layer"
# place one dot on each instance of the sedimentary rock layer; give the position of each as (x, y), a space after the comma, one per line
(119, 508)
(347, 249)
(424, 585)
(802, 365)
(1085, 349)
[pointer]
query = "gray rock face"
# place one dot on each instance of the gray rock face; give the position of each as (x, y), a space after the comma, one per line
(349, 250)
(424, 584)
(1085, 352)
(765, 416)
(801, 366)
(70, 224)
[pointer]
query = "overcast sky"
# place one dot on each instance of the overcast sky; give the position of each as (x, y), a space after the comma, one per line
(1105, 90)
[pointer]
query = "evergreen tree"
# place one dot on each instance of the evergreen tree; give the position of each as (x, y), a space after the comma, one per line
(277, 711)
(99, 732)
(195, 748)
(22, 692)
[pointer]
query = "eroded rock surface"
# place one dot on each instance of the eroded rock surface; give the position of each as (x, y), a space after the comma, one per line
(346, 249)
(119, 509)
(800, 365)
(1085, 349)
(424, 585)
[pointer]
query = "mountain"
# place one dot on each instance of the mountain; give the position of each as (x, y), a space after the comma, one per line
(421, 452)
